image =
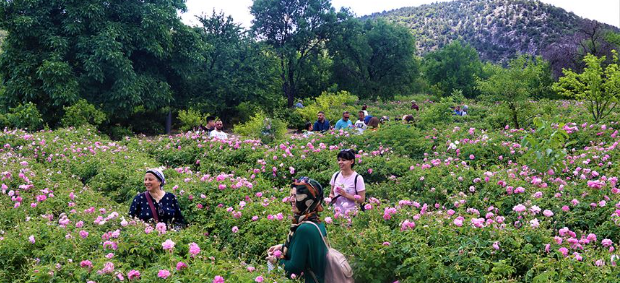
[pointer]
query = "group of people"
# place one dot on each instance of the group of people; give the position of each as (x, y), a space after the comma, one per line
(304, 250)
(214, 128)
(364, 122)
(458, 111)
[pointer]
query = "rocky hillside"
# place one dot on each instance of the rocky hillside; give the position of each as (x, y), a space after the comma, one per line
(498, 29)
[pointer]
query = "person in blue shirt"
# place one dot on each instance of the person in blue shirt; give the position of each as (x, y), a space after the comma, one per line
(322, 124)
(457, 111)
(344, 123)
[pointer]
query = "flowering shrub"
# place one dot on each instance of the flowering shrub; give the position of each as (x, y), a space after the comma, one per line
(457, 202)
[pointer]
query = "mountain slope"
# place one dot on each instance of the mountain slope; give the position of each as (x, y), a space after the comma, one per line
(498, 29)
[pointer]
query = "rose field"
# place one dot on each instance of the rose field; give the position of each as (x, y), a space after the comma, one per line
(449, 199)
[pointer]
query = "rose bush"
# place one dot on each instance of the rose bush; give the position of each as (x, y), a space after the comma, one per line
(454, 201)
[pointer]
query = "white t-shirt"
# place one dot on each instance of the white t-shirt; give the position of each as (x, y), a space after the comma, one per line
(360, 126)
(218, 134)
(342, 204)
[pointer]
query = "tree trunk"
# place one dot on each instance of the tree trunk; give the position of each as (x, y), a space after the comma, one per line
(515, 118)
(169, 122)
(290, 94)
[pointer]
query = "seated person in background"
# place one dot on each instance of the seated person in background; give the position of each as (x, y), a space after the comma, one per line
(299, 104)
(321, 124)
(364, 108)
(307, 129)
(457, 111)
(344, 123)
(373, 123)
(210, 125)
(360, 124)
(218, 132)
(155, 204)
(465, 110)
(407, 119)
(414, 106)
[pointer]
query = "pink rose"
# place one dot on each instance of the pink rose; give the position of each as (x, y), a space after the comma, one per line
(194, 249)
(86, 263)
(168, 245)
(181, 265)
(496, 245)
(163, 273)
(133, 274)
(277, 254)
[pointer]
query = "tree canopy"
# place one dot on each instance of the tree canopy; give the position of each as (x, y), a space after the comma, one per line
(296, 29)
(453, 67)
(115, 54)
(373, 58)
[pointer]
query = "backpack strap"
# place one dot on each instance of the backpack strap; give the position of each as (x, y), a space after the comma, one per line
(153, 210)
(335, 177)
(313, 276)
(326, 242)
(355, 182)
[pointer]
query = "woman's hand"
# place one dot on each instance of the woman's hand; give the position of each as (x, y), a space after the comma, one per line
(271, 259)
(272, 249)
(339, 190)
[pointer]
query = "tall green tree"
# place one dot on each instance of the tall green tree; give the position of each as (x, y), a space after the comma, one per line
(296, 29)
(116, 54)
(236, 69)
(454, 67)
(598, 86)
(525, 76)
(373, 59)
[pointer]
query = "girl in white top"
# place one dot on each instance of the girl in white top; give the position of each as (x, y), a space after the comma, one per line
(344, 185)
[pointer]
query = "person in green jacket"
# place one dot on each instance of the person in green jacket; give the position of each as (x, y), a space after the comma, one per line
(304, 249)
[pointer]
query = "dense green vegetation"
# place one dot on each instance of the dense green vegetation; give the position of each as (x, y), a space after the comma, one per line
(134, 67)
(498, 29)
(450, 198)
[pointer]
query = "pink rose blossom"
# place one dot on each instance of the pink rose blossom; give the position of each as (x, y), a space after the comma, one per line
(168, 245)
(194, 249)
(86, 263)
(181, 265)
(163, 273)
(218, 279)
(161, 228)
(133, 274)
(496, 245)
(519, 208)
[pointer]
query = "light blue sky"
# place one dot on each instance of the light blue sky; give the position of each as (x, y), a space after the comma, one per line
(606, 11)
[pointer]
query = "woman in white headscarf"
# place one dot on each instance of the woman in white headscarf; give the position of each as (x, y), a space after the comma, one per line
(156, 204)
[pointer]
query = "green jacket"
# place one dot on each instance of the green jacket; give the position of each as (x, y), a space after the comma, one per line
(306, 251)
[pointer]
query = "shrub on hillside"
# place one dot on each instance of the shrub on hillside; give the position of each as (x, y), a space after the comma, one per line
(25, 116)
(333, 104)
(262, 127)
(82, 113)
(191, 119)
